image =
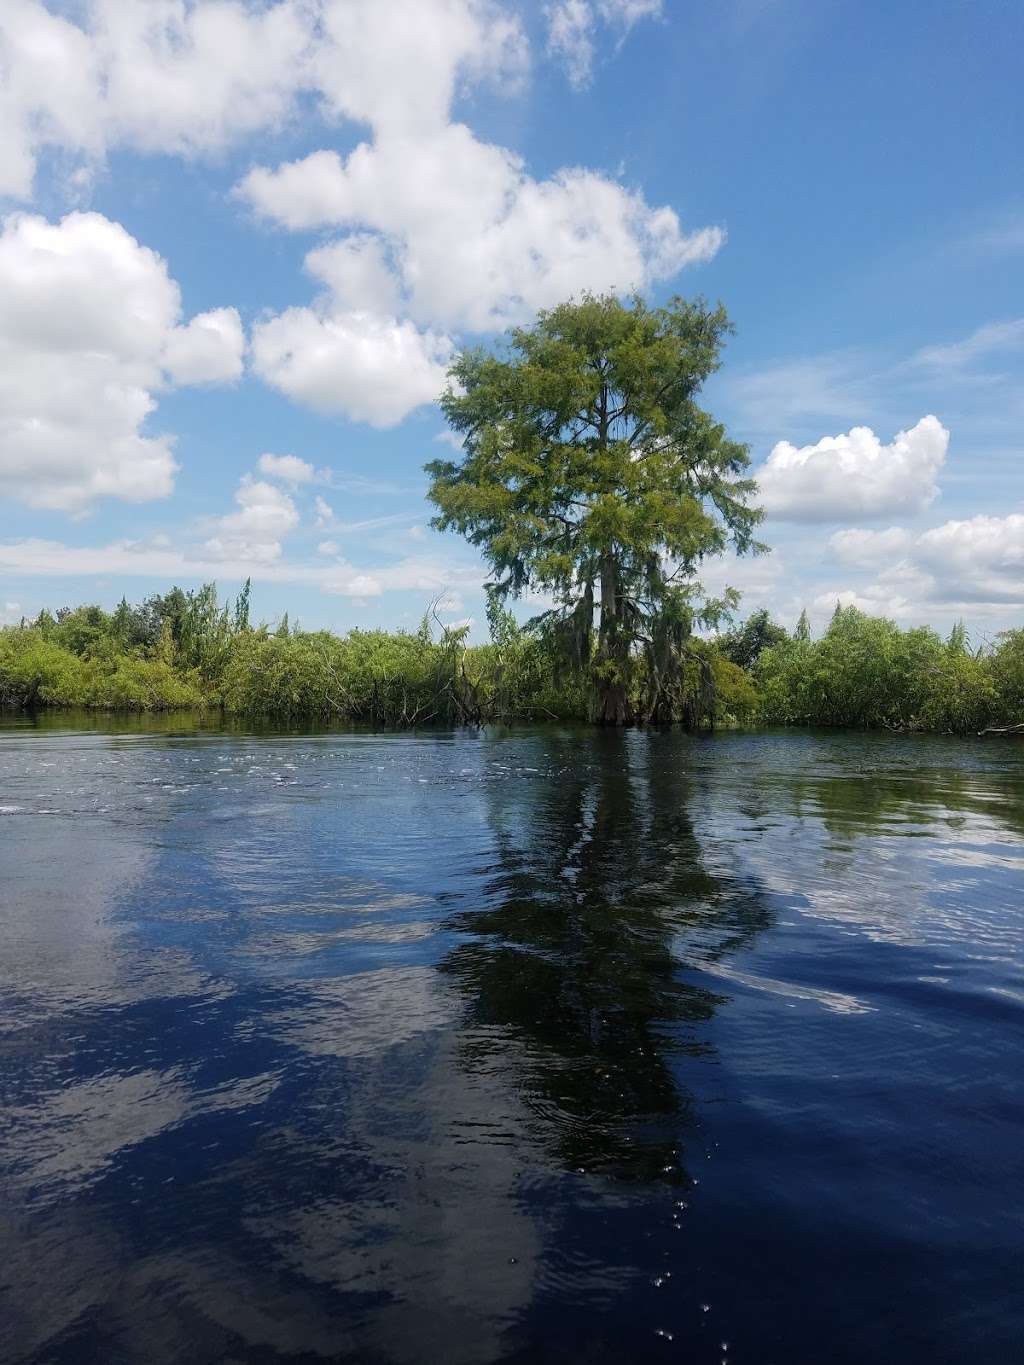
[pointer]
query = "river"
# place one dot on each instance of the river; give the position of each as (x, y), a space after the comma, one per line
(534, 1045)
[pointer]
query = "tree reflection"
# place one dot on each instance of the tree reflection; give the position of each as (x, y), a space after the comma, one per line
(574, 968)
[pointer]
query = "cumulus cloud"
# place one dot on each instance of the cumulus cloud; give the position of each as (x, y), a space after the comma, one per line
(981, 557)
(165, 76)
(90, 332)
(208, 350)
(868, 549)
(474, 240)
(873, 601)
(854, 477)
(357, 273)
(194, 76)
(374, 369)
(288, 468)
(397, 66)
(440, 231)
(971, 566)
(253, 534)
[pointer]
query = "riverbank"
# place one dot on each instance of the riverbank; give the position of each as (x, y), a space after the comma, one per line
(185, 651)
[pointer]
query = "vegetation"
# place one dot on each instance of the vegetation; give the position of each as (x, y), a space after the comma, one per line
(185, 650)
(591, 474)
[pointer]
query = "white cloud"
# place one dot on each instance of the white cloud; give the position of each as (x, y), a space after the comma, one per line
(981, 559)
(363, 585)
(162, 76)
(208, 350)
(442, 230)
(874, 601)
(854, 476)
(571, 38)
(373, 369)
(968, 567)
(756, 577)
(397, 65)
(131, 559)
(90, 331)
(476, 241)
(288, 468)
(990, 339)
(328, 547)
(253, 534)
(572, 26)
(357, 273)
(864, 548)
(325, 518)
(194, 76)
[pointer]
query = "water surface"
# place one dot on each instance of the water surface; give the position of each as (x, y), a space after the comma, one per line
(537, 1045)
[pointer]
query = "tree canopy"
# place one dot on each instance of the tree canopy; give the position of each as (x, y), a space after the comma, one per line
(592, 475)
(745, 644)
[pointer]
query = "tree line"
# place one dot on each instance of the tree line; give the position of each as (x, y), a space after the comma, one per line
(188, 650)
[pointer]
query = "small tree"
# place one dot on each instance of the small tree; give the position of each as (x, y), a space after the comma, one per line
(591, 474)
(745, 644)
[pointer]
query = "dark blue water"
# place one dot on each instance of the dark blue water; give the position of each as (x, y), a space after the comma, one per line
(530, 1046)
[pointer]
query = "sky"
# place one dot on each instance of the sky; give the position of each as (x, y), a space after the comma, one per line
(240, 242)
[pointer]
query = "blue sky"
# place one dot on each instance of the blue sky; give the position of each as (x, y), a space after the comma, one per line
(234, 233)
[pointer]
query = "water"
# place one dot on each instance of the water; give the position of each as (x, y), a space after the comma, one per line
(540, 1045)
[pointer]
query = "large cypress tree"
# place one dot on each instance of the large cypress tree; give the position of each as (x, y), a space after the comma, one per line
(591, 473)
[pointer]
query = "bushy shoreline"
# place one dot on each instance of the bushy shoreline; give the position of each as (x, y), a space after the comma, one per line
(184, 651)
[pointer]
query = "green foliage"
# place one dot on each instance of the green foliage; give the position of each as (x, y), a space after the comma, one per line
(592, 474)
(1007, 667)
(745, 644)
(37, 671)
(736, 697)
(864, 671)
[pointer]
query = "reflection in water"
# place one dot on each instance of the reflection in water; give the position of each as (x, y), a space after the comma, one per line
(571, 963)
(524, 1046)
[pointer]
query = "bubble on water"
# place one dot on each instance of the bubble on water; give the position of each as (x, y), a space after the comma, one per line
(705, 1308)
(658, 1281)
(661, 1332)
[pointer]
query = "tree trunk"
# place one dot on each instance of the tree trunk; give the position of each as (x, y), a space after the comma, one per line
(612, 664)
